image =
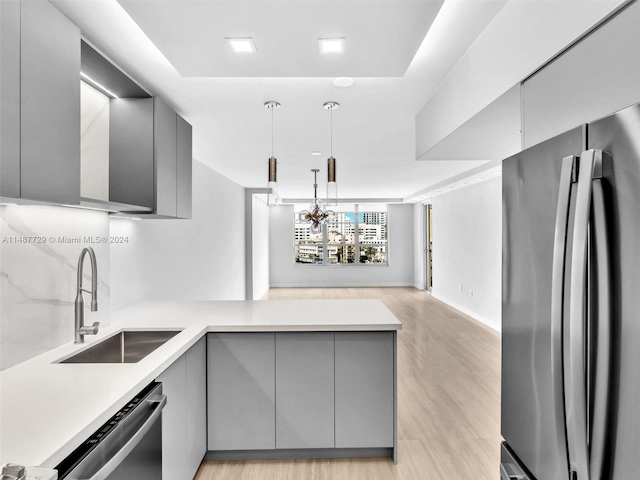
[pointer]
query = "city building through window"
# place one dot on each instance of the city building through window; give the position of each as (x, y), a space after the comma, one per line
(357, 236)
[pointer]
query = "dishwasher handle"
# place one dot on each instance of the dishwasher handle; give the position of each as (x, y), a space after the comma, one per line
(158, 401)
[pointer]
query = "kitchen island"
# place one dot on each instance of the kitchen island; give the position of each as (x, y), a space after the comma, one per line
(49, 408)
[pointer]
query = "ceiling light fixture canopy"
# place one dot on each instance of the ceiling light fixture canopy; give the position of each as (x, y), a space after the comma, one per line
(315, 216)
(343, 82)
(272, 178)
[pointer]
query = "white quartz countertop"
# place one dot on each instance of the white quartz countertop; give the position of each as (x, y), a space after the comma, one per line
(47, 409)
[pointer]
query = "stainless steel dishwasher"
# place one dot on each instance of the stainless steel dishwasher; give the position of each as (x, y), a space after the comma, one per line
(127, 447)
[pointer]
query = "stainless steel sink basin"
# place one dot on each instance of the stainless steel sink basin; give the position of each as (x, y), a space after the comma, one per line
(125, 347)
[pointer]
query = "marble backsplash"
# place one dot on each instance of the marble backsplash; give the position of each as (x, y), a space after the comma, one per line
(39, 250)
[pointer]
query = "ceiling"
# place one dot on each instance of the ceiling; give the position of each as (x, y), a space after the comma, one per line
(399, 52)
(381, 37)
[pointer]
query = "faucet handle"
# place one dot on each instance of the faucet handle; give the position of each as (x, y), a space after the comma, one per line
(92, 330)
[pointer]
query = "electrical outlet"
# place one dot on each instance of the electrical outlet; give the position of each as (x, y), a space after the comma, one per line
(471, 293)
(460, 288)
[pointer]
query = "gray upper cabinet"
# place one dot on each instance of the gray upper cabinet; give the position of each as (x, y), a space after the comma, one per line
(304, 390)
(173, 162)
(45, 166)
(165, 151)
(150, 163)
(185, 168)
(241, 391)
(10, 98)
(364, 389)
(131, 167)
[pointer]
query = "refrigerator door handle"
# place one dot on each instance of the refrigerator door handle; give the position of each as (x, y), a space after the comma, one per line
(601, 330)
(576, 391)
(567, 179)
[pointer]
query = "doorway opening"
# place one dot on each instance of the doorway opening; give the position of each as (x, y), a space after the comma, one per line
(428, 247)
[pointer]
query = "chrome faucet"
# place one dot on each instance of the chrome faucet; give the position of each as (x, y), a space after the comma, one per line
(80, 329)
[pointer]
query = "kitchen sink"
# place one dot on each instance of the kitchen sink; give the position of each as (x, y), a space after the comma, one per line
(128, 346)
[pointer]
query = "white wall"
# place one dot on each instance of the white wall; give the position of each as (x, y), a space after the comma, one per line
(198, 259)
(260, 247)
(285, 273)
(39, 252)
(467, 246)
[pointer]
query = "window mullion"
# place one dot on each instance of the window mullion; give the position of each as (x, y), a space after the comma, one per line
(356, 236)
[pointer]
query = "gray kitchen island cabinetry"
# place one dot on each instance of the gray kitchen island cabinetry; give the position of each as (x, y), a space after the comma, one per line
(304, 390)
(364, 389)
(301, 394)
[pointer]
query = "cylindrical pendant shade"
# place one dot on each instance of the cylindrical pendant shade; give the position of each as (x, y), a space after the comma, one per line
(273, 170)
(331, 170)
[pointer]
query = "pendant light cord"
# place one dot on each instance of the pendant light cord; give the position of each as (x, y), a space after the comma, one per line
(331, 136)
(272, 131)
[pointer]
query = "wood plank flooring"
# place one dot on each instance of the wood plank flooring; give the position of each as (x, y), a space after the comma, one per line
(448, 399)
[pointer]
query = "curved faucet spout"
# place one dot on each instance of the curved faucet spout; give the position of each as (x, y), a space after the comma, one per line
(80, 329)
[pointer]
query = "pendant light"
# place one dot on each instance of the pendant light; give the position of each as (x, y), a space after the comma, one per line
(272, 179)
(332, 186)
(315, 216)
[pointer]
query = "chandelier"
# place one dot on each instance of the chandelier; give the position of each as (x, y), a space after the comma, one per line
(315, 216)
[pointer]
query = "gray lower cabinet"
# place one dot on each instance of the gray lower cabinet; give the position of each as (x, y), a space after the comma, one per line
(304, 390)
(173, 421)
(40, 134)
(365, 386)
(241, 391)
(196, 402)
(184, 416)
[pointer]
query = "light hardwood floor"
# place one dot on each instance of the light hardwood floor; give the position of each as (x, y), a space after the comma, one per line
(448, 399)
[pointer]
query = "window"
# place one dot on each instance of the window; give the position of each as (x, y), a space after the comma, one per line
(351, 237)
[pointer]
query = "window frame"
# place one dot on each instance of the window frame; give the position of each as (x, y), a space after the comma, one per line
(356, 243)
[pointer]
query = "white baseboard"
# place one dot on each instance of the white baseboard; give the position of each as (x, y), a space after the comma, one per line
(340, 285)
(491, 323)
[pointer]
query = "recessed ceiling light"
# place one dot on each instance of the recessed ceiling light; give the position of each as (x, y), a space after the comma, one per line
(331, 45)
(343, 82)
(316, 153)
(242, 45)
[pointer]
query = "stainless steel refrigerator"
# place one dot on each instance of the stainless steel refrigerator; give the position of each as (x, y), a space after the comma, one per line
(571, 305)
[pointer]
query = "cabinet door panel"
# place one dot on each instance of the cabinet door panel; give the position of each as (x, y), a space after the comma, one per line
(49, 104)
(304, 390)
(184, 169)
(131, 151)
(10, 98)
(364, 389)
(241, 391)
(165, 158)
(196, 404)
(173, 420)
